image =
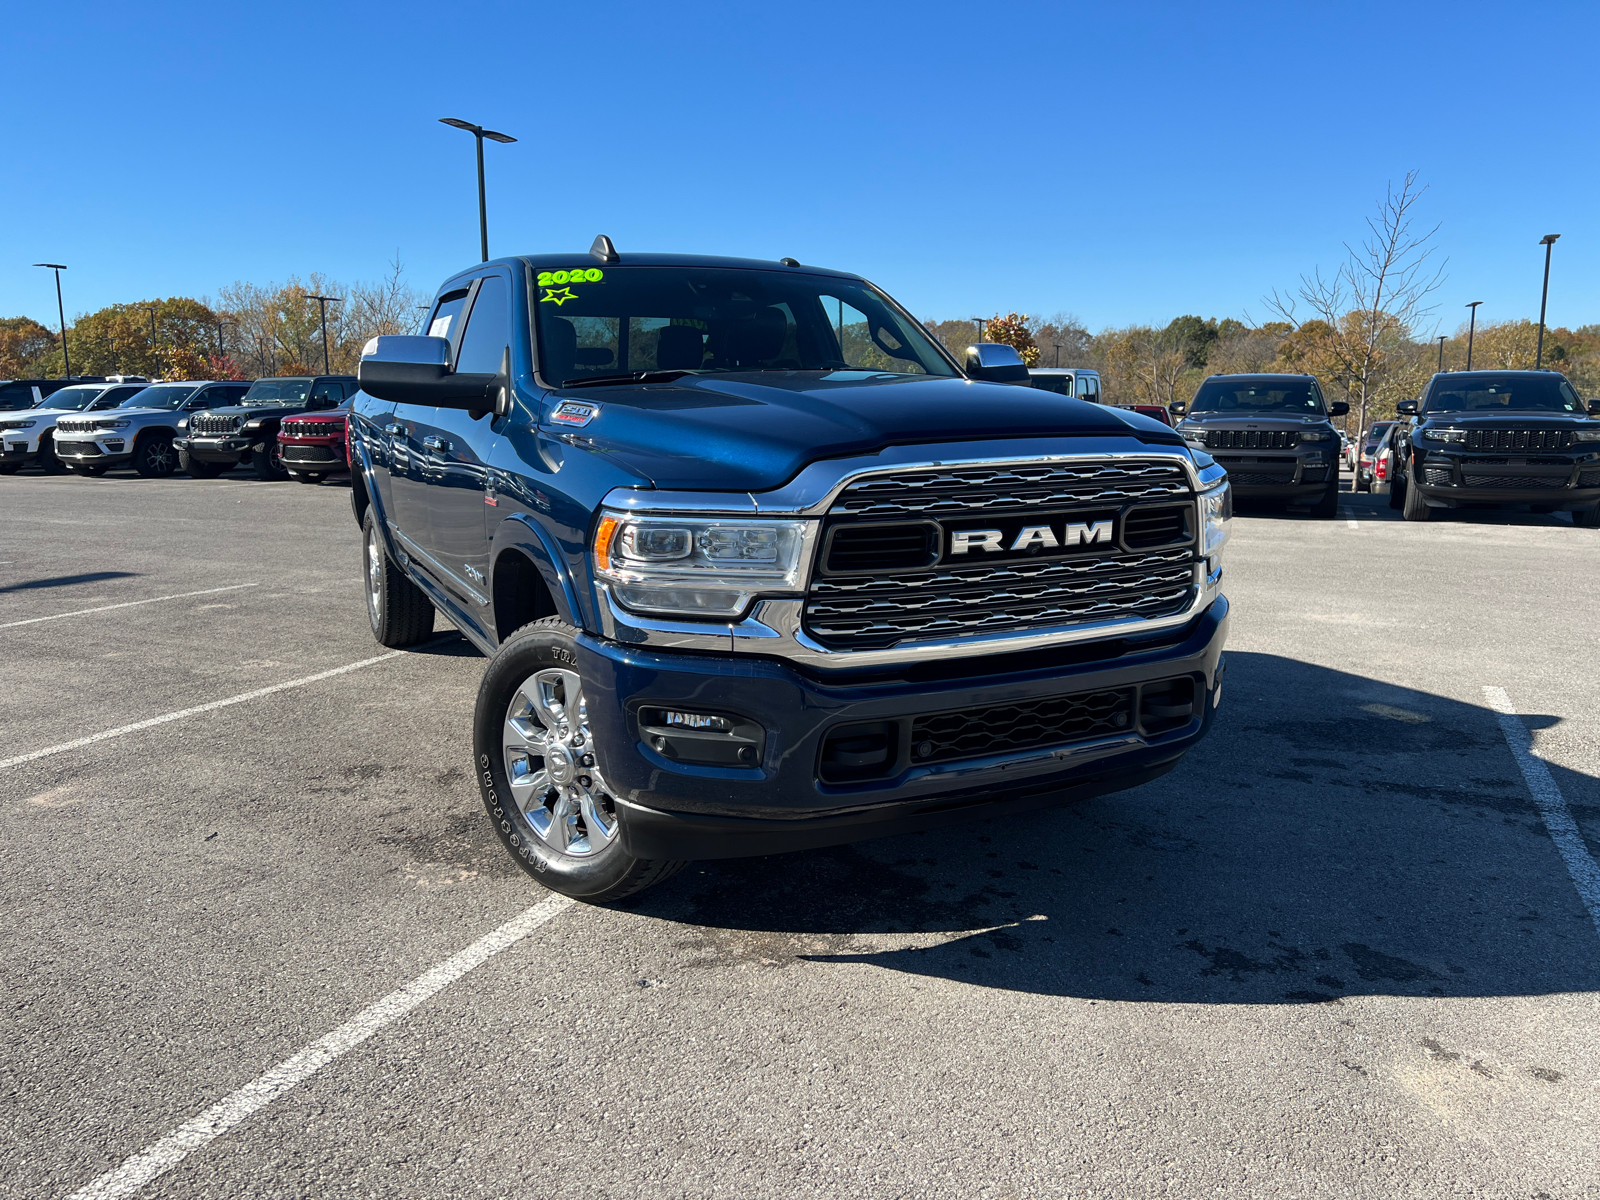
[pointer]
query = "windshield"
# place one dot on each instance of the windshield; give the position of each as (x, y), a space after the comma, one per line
(277, 391)
(167, 395)
(1291, 397)
(1060, 384)
(1511, 392)
(1376, 432)
(597, 323)
(75, 399)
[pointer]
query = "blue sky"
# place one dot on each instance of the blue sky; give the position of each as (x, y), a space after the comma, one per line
(1121, 162)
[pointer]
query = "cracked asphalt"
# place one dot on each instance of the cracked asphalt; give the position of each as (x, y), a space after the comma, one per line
(1335, 953)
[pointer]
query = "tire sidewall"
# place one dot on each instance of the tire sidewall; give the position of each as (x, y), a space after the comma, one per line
(544, 644)
(376, 609)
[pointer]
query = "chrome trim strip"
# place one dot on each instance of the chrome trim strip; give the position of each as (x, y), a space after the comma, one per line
(417, 551)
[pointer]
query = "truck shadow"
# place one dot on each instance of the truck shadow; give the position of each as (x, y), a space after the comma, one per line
(56, 581)
(1333, 836)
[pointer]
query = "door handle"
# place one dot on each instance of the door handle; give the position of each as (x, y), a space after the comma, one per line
(395, 430)
(436, 443)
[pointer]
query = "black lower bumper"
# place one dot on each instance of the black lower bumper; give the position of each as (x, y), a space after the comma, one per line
(215, 450)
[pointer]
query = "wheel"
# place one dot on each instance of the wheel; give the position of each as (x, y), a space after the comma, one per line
(94, 470)
(400, 614)
(1586, 518)
(154, 458)
(307, 476)
(1361, 484)
(1328, 506)
(1412, 505)
(48, 462)
(195, 468)
(537, 771)
(268, 464)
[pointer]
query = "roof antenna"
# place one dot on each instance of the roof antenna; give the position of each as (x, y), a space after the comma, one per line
(789, 262)
(604, 250)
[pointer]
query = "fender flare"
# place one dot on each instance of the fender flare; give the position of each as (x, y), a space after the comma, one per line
(519, 531)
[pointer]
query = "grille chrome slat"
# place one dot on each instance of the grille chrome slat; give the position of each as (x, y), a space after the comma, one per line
(945, 601)
(1251, 439)
(1519, 439)
(211, 424)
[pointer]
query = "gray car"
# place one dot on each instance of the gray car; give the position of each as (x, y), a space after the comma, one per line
(139, 431)
(1272, 434)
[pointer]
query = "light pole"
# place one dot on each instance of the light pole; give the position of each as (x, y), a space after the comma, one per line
(1547, 241)
(222, 348)
(1441, 352)
(61, 314)
(111, 349)
(479, 132)
(1057, 345)
(978, 324)
(154, 352)
(1471, 329)
(323, 302)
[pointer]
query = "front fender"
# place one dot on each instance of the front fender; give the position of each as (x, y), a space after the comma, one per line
(520, 531)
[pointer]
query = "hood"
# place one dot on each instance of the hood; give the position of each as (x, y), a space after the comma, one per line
(1511, 420)
(755, 431)
(50, 414)
(1237, 420)
(251, 411)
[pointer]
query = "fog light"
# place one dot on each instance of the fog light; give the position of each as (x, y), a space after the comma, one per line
(689, 720)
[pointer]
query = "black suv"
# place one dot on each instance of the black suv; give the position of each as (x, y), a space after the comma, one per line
(28, 393)
(222, 438)
(1273, 435)
(1499, 438)
(759, 566)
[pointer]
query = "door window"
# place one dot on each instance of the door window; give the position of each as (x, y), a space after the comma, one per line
(865, 346)
(443, 322)
(484, 343)
(1089, 389)
(326, 395)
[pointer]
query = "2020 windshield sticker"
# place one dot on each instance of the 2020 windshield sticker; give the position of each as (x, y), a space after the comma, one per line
(576, 275)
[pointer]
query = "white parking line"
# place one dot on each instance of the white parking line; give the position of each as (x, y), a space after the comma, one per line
(1351, 517)
(83, 612)
(1551, 803)
(162, 1156)
(195, 711)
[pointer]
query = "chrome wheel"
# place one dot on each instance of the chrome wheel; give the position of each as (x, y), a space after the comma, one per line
(374, 575)
(550, 763)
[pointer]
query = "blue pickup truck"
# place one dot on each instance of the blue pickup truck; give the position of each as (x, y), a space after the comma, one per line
(759, 566)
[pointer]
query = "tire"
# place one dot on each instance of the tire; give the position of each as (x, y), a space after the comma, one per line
(269, 466)
(540, 784)
(93, 470)
(194, 468)
(48, 462)
(400, 614)
(1412, 506)
(1360, 485)
(1587, 518)
(307, 476)
(1328, 506)
(155, 457)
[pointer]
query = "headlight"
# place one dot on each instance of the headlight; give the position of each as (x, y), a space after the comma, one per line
(19, 425)
(115, 424)
(1317, 435)
(1216, 511)
(1195, 436)
(1586, 435)
(1445, 435)
(699, 566)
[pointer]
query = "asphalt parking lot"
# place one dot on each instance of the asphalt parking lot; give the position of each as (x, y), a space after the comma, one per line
(1336, 953)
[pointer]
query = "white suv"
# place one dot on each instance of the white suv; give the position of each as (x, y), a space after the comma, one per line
(140, 429)
(29, 435)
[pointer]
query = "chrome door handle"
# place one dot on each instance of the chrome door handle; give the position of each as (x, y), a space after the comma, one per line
(395, 430)
(436, 443)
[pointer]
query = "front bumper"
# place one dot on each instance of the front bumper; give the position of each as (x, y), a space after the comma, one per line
(314, 455)
(1562, 481)
(1268, 476)
(82, 448)
(671, 809)
(216, 449)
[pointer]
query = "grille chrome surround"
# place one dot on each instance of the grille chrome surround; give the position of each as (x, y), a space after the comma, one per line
(935, 493)
(1251, 439)
(320, 427)
(1519, 439)
(212, 424)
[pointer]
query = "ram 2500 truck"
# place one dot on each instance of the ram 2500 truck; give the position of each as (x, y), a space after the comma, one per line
(758, 566)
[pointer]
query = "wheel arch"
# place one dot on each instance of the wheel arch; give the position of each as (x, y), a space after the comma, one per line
(528, 578)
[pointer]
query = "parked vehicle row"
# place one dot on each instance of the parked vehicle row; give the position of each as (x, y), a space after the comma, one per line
(200, 427)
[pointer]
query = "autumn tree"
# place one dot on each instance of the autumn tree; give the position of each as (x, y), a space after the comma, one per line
(1063, 340)
(1012, 330)
(1370, 304)
(24, 345)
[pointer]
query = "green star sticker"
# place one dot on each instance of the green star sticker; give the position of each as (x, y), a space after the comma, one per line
(559, 295)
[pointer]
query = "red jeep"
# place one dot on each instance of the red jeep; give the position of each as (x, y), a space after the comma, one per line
(312, 445)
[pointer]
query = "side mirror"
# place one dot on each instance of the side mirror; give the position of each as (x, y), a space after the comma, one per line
(416, 370)
(1178, 407)
(1338, 408)
(1594, 408)
(996, 363)
(1406, 408)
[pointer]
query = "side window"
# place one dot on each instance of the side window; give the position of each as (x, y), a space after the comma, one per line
(204, 398)
(488, 328)
(327, 394)
(1089, 389)
(443, 321)
(114, 397)
(862, 347)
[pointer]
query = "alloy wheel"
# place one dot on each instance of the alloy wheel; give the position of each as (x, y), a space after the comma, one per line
(550, 762)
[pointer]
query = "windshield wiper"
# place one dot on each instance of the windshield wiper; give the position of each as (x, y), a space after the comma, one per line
(626, 377)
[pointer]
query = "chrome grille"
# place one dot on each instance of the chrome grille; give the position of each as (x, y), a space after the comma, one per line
(75, 424)
(946, 600)
(319, 428)
(1519, 439)
(211, 424)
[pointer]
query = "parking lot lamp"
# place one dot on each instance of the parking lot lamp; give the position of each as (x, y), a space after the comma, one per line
(977, 323)
(479, 132)
(323, 302)
(1057, 345)
(111, 349)
(151, 309)
(1547, 241)
(1472, 328)
(1441, 351)
(222, 348)
(61, 315)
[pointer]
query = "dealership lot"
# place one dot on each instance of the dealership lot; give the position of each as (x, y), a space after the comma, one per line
(1335, 953)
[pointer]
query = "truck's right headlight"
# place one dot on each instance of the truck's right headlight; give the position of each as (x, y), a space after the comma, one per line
(699, 566)
(1216, 514)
